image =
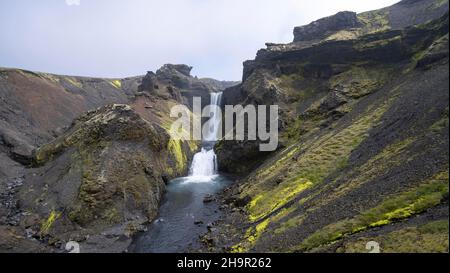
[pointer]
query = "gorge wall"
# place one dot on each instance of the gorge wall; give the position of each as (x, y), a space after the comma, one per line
(363, 152)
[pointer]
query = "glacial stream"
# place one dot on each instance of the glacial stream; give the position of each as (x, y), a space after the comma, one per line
(183, 215)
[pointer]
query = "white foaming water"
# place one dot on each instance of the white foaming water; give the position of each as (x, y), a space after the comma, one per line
(216, 99)
(204, 165)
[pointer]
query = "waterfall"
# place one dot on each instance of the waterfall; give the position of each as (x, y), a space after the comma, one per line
(204, 163)
(211, 135)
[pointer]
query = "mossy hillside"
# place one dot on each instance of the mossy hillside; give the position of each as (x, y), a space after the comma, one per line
(438, 3)
(361, 80)
(325, 156)
(375, 21)
(50, 77)
(106, 192)
(180, 150)
(101, 145)
(416, 200)
(344, 35)
(390, 157)
(111, 123)
(393, 155)
(176, 150)
(379, 42)
(349, 83)
(440, 124)
(74, 82)
(432, 237)
(397, 152)
(254, 232)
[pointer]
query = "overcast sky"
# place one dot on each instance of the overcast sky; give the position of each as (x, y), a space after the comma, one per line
(117, 38)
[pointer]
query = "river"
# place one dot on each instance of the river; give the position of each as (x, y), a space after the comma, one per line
(183, 215)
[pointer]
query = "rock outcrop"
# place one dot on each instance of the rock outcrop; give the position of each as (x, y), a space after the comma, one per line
(348, 25)
(323, 28)
(107, 170)
(177, 82)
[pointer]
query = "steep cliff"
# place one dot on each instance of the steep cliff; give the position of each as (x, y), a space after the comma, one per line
(364, 139)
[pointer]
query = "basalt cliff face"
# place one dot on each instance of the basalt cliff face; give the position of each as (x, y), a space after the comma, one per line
(87, 159)
(364, 145)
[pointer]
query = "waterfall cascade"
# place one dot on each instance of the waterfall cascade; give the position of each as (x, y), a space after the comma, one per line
(204, 163)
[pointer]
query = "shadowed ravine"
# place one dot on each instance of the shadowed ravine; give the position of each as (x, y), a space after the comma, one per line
(184, 215)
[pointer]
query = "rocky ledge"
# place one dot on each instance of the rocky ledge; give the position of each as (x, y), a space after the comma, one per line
(98, 183)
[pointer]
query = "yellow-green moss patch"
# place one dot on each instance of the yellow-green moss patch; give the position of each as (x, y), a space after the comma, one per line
(375, 21)
(326, 155)
(432, 237)
(254, 233)
(74, 82)
(117, 84)
(176, 150)
(266, 203)
(47, 224)
(416, 200)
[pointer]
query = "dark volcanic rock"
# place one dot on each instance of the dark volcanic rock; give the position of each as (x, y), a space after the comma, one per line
(82, 181)
(175, 81)
(324, 27)
(177, 75)
(168, 69)
(149, 83)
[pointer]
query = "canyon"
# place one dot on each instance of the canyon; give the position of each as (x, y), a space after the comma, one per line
(362, 155)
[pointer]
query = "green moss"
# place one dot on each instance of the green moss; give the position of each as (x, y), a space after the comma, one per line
(359, 81)
(377, 43)
(117, 84)
(50, 77)
(435, 227)
(289, 224)
(266, 203)
(254, 233)
(391, 156)
(440, 124)
(280, 161)
(47, 224)
(292, 132)
(137, 187)
(401, 206)
(251, 236)
(175, 149)
(325, 156)
(438, 3)
(432, 237)
(343, 35)
(375, 21)
(193, 145)
(74, 82)
(112, 216)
